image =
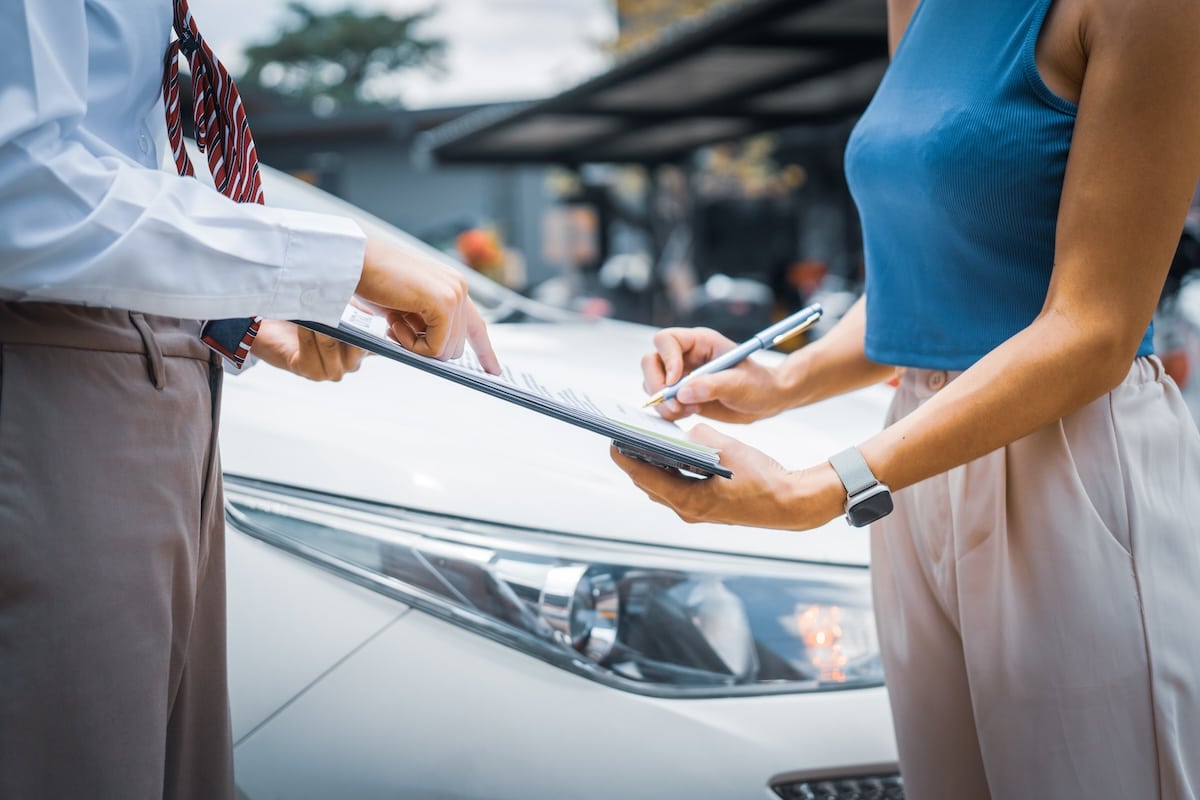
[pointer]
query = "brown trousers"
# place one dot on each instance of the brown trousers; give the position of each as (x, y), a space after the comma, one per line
(1039, 607)
(112, 559)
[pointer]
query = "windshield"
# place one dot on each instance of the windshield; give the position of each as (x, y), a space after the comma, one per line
(496, 303)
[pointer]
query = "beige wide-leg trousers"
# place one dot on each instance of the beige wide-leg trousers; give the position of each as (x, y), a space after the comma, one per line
(1039, 608)
(112, 596)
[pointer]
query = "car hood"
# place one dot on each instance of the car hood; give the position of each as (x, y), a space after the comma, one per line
(396, 435)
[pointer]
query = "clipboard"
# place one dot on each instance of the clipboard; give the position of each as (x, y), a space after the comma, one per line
(650, 444)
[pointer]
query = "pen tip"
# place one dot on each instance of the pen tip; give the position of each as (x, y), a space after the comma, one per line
(653, 401)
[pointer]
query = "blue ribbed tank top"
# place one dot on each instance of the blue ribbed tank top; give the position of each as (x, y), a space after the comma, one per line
(957, 169)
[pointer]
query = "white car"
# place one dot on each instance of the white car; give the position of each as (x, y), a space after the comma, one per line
(437, 594)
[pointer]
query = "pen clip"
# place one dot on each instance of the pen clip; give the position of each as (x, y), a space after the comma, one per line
(796, 331)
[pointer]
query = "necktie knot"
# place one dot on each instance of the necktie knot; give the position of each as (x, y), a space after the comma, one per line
(189, 43)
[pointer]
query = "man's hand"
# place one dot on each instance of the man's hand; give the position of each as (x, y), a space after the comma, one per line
(743, 393)
(426, 303)
(305, 352)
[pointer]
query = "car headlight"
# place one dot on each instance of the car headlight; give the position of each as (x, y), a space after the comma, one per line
(660, 621)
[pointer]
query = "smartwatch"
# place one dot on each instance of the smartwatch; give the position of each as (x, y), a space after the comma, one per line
(866, 498)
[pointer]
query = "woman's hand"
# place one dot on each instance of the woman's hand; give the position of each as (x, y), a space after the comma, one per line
(426, 303)
(761, 493)
(744, 393)
(304, 352)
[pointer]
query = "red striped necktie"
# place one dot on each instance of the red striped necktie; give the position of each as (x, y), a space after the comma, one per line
(222, 133)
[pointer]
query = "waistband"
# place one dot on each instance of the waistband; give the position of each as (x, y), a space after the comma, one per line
(925, 383)
(102, 329)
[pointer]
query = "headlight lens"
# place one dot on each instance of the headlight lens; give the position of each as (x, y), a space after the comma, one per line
(653, 620)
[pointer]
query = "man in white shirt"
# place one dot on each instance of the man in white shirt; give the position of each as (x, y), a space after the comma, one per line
(112, 661)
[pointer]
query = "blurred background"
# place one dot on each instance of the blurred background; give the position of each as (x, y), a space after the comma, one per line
(661, 161)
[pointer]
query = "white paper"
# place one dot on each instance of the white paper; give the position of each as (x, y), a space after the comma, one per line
(631, 416)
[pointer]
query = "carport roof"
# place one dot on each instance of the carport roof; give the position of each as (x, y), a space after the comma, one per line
(744, 68)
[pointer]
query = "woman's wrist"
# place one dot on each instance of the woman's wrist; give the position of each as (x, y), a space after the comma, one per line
(794, 377)
(814, 496)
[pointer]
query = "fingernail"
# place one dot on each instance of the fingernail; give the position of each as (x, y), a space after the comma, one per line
(690, 394)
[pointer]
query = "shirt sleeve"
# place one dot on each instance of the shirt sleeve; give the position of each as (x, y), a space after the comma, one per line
(81, 223)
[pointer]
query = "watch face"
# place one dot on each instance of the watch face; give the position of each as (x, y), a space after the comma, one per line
(876, 505)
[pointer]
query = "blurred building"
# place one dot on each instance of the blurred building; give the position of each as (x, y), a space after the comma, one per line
(640, 22)
(709, 156)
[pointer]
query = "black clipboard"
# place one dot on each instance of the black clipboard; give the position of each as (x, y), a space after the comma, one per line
(629, 441)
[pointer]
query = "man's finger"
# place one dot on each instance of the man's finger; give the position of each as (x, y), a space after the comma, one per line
(349, 357)
(336, 357)
(403, 333)
(305, 360)
(457, 343)
(438, 329)
(410, 319)
(323, 355)
(481, 343)
(456, 335)
(352, 357)
(326, 342)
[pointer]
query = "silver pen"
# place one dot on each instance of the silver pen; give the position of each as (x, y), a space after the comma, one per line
(781, 331)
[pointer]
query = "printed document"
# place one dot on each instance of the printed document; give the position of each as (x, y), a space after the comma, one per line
(636, 431)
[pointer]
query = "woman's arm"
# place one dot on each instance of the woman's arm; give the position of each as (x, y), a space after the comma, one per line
(834, 364)
(1134, 160)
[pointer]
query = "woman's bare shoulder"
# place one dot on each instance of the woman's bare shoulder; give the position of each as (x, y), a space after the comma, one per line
(1146, 24)
(899, 12)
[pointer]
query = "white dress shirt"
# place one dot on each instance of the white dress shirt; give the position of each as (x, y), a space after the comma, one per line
(89, 216)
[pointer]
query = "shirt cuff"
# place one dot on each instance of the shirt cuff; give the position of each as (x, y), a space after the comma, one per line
(233, 369)
(321, 267)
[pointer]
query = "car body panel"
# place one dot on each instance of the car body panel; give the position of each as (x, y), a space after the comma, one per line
(289, 624)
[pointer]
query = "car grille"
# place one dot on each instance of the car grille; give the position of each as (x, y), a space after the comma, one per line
(875, 787)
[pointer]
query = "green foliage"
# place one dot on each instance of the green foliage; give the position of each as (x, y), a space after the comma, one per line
(341, 58)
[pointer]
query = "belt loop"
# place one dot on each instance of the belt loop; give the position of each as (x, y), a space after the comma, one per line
(216, 375)
(155, 367)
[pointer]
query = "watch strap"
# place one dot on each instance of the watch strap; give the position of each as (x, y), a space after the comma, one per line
(853, 471)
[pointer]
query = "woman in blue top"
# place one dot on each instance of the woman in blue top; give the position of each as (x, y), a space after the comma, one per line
(1022, 176)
